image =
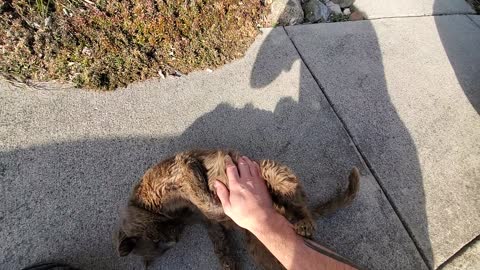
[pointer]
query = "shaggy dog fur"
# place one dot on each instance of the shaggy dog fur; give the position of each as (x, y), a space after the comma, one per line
(179, 191)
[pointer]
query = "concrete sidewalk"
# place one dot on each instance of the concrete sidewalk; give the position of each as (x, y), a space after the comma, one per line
(375, 9)
(401, 105)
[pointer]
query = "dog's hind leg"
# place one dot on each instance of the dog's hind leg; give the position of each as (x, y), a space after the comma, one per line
(288, 196)
(221, 245)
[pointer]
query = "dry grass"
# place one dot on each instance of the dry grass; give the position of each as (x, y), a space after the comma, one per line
(107, 44)
(475, 4)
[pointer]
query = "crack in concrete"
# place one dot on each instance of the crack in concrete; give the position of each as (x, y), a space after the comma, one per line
(362, 156)
(459, 253)
(474, 22)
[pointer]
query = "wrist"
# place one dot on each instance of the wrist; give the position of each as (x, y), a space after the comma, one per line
(273, 223)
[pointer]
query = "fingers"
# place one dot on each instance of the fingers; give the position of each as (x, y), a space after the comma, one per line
(232, 172)
(257, 169)
(252, 166)
(246, 170)
(244, 167)
(223, 194)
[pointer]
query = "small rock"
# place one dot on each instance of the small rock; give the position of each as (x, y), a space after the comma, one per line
(86, 51)
(356, 16)
(285, 12)
(344, 3)
(209, 70)
(67, 13)
(160, 73)
(48, 22)
(177, 73)
(335, 8)
(347, 12)
(315, 11)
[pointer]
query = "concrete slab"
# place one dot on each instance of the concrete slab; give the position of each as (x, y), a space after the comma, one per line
(387, 8)
(410, 99)
(392, 8)
(69, 159)
(468, 258)
(475, 19)
(447, 7)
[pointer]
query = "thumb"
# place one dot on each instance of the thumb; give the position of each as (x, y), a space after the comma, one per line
(223, 194)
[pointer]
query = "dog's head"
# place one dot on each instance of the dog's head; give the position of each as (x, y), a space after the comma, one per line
(146, 234)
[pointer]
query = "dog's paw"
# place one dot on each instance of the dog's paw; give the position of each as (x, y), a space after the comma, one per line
(305, 227)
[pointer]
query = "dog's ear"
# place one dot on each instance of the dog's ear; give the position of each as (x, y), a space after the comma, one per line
(125, 244)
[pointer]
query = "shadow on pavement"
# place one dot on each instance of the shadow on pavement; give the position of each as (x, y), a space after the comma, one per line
(52, 207)
(62, 199)
(458, 44)
(371, 119)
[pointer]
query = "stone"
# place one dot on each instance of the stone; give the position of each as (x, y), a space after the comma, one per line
(285, 12)
(87, 51)
(335, 8)
(344, 3)
(160, 74)
(48, 22)
(315, 11)
(347, 12)
(356, 16)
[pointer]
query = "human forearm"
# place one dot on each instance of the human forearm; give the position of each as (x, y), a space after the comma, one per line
(290, 249)
(249, 205)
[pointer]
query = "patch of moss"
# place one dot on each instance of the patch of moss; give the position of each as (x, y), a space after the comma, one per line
(338, 18)
(108, 44)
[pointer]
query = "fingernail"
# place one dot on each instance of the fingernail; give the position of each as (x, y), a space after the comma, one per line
(245, 158)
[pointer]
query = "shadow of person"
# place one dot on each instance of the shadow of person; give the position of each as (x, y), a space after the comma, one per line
(61, 200)
(348, 66)
(460, 40)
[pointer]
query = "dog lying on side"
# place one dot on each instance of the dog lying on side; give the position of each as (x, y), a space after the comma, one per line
(179, 191)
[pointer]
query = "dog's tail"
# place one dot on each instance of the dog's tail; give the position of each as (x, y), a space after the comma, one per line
(342, 199)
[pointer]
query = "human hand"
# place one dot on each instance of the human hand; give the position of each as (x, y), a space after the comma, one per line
(248, 202)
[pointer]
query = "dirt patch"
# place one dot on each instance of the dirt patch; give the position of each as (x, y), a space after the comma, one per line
(107, 44)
